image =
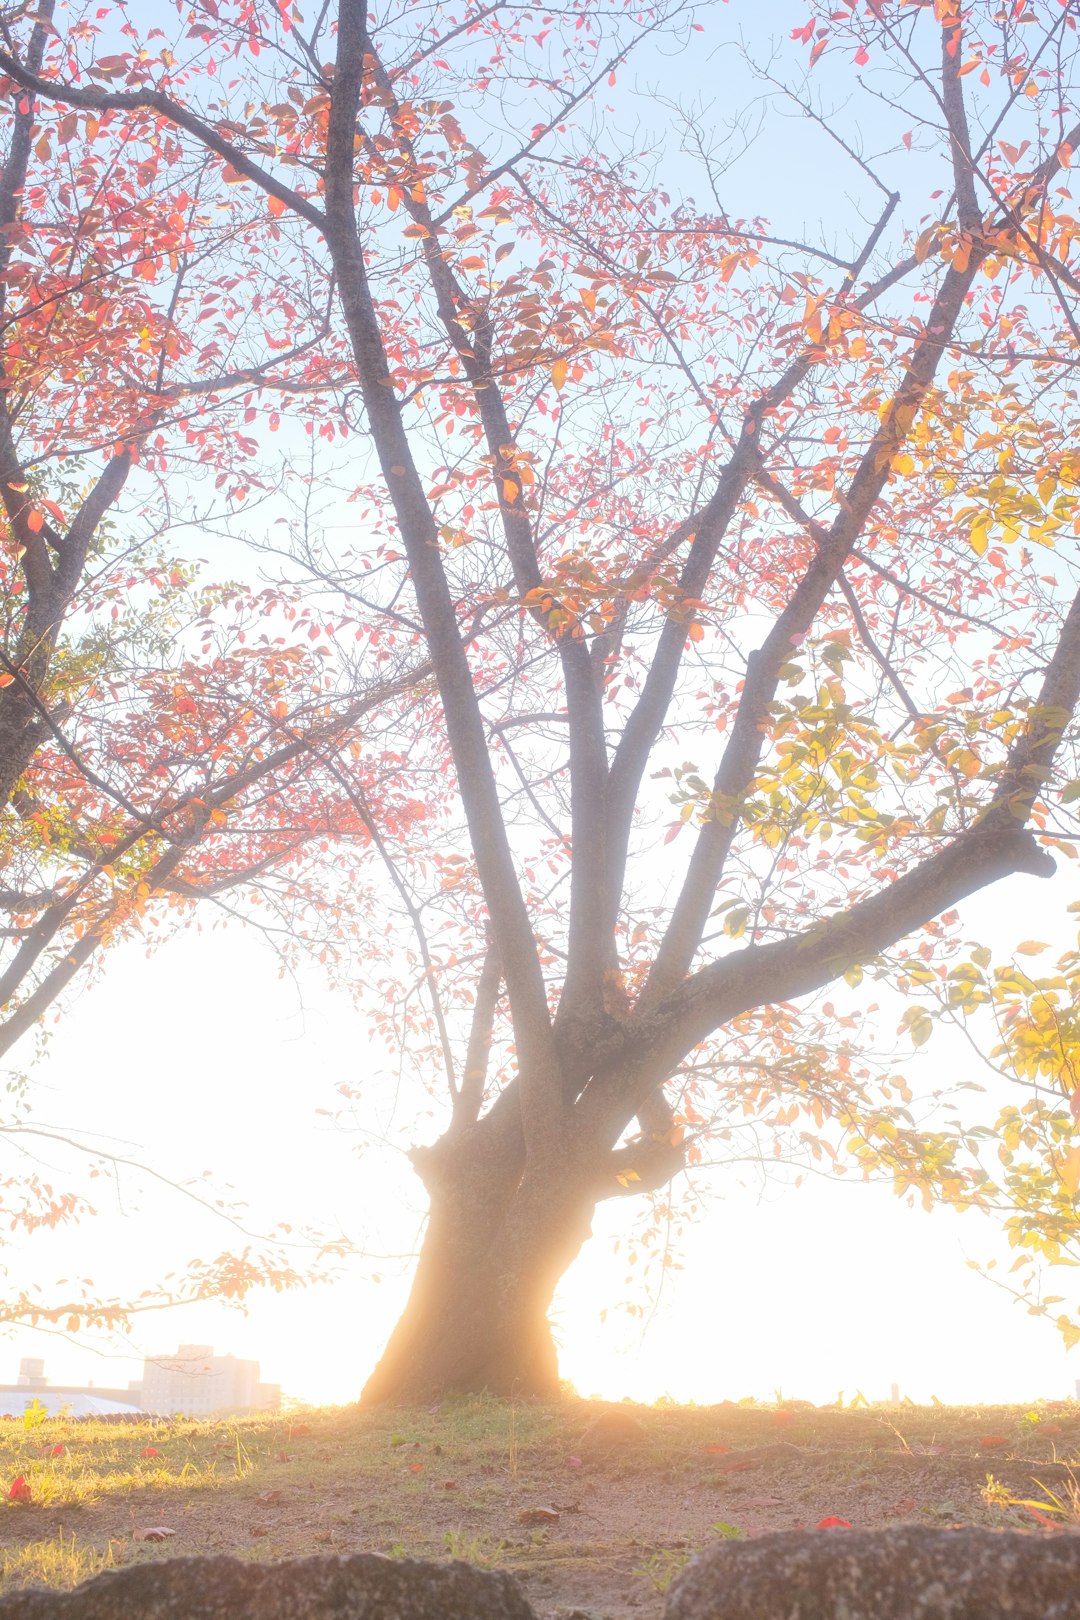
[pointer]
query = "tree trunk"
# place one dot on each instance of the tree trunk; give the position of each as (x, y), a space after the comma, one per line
(498, 1241)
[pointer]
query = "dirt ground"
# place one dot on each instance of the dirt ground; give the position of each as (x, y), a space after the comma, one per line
(595, 1508)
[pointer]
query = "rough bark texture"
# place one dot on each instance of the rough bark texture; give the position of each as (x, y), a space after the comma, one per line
(497, 1242)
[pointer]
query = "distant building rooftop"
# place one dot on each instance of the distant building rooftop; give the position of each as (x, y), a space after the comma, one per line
(193, 1383)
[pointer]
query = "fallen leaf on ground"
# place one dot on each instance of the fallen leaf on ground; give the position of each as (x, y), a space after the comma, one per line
(416, 1468)
(282, 1456)
(152, 1532)
(716, 1447)
(1044, 1518)
(268, 1496)
(323, 1536)
(259, 1530)
(990, 1442)
(538, 1515)
(20, 1490)
(573, 1462)
(57, 1451)
(149, 1451)
(446, 1485)
(833, 1523)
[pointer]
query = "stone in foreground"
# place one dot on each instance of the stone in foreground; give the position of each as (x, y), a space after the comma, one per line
(903, 1574)
(363, 1587)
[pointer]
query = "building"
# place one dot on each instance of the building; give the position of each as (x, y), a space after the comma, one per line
(192, 1383)
(70, 1400)
(196, 1383)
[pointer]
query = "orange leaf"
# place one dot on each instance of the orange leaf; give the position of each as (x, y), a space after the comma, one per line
(695, 632)
(1070, 1170)
(34, 520)
(276, 207)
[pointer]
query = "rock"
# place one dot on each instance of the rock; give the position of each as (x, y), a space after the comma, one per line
(909, 1573)
(613, 1428)
(361, 1587)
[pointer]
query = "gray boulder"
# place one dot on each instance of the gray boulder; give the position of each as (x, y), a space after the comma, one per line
(363, 1587)
(908, 1573)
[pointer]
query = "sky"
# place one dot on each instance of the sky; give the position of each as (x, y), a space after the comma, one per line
(200, 1057)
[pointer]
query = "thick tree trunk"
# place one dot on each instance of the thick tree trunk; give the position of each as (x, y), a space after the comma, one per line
(497, 1243)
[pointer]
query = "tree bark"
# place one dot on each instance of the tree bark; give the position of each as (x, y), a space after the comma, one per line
(499, 1238)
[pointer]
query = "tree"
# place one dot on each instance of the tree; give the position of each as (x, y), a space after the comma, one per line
(661, 494)
(162, 741)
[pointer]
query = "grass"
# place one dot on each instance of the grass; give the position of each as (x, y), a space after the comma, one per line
(585, 1522)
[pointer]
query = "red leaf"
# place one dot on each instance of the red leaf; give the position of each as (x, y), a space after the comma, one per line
(269, 1496)
(907, 140)
(416, 1468)
(833, 1523)
(862, 56)
(149, 1451)
(259, 1530)
(716, 1447)
(20, 1490)
(57, 1451)
(990, 1442)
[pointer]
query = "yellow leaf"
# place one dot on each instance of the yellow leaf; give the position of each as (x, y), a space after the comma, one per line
(903, 464)
(558, 375)
(510, 491)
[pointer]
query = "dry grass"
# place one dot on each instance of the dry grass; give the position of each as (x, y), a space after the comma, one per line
(464, 1479)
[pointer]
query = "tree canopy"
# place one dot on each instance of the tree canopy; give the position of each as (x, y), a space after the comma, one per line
(667, 611)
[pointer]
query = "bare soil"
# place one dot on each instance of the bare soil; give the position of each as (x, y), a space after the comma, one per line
(594, 1507)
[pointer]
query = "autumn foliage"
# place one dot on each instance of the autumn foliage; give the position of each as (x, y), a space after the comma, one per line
(673, 610)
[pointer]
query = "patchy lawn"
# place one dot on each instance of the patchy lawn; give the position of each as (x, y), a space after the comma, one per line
(593, 1506)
